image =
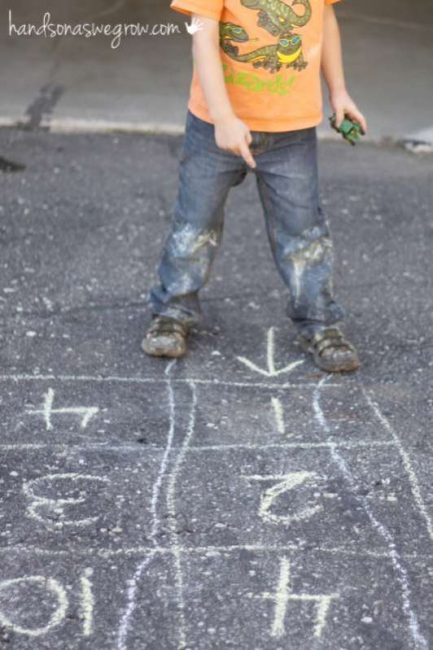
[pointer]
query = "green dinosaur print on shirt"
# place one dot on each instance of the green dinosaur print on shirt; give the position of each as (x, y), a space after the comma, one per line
(279, 19)
(278, 85)
(232, 32)
(287, 51)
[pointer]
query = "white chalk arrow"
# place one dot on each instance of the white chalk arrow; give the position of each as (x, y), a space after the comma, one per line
(271, 370)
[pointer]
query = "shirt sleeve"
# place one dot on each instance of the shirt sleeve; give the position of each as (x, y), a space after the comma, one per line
(207, 8)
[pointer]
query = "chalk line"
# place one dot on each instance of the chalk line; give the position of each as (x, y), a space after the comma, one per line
(171, 504)
(106, 553)
(289, 445)
(154, 380)
(87, 601)
(279, 414)
(413, 480)
(97, 446)
(401, 572)
(48, 405)
(281, 599)
(156, 489)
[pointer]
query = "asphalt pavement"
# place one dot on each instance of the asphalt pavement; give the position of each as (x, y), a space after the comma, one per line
(238, 497)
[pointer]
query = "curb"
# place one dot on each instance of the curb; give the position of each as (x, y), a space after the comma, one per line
(418, 143)
(82, 125)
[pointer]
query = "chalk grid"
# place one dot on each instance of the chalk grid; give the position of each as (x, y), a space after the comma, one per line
(175, 460)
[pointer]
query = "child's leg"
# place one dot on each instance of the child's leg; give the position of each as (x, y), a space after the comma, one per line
(206, 174)
(298, 230)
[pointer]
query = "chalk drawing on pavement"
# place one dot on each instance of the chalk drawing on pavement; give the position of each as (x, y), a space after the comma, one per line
(283, 484)
(283, 595)
(51, 511)
(279, 414)
(48, 589)
(55, 591)
(270, 370)
(85, 412)
(420, 643)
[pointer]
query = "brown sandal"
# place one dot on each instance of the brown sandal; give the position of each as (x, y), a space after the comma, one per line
(331, 351)
(165, 337)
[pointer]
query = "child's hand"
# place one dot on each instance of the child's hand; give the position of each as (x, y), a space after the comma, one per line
(342, 104)
(231, 134)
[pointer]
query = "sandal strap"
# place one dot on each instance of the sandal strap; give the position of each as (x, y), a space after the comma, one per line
(330, 338)
(334, 343)
(167, 326)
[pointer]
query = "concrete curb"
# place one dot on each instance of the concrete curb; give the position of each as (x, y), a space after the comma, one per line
(419, 143)
(82, 125)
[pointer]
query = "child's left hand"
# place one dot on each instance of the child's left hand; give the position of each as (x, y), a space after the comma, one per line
(342, 105)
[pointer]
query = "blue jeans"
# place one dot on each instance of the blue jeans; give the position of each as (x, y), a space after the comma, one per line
(297, 228)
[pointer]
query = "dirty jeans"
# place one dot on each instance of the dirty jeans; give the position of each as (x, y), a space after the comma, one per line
(297, 228)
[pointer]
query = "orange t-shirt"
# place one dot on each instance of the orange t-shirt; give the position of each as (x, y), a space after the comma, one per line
(271, 53)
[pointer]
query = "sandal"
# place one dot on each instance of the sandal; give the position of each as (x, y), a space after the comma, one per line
(330, 350)
(165, 337)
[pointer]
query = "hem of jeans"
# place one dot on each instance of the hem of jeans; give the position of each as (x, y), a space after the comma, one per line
(317, 325)
(189, 321)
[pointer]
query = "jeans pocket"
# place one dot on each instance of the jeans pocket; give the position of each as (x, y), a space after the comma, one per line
(198, 125)
(199, 136)
(193, 128)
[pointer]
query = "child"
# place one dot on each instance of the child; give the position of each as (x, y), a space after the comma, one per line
(255, 101)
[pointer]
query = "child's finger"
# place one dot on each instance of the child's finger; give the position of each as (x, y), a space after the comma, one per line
(356, 115)
(246, 154)
(339, 116)
(363, 122)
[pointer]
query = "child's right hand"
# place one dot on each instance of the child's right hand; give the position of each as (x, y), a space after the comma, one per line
(231, 134)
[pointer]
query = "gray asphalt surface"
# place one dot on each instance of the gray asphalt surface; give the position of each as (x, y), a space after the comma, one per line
(239, 497)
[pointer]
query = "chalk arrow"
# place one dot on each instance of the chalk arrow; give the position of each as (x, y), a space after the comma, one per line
(271, 371)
